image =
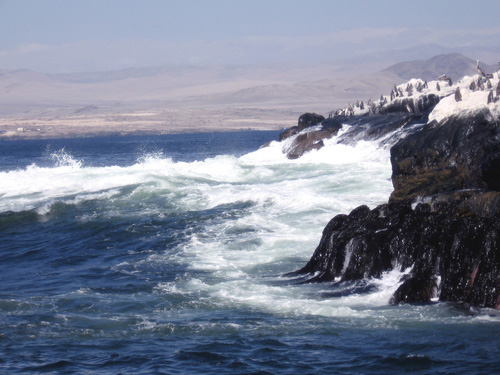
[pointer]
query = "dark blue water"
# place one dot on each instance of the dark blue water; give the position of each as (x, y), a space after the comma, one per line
(159, 255)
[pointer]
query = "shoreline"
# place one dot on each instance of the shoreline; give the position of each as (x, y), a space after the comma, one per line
(21, 137)
(146, 122)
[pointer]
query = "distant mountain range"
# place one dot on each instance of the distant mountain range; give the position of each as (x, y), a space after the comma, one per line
(454, 65)
(294, 86)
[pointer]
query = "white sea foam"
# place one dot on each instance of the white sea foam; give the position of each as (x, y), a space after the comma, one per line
(292, 201)
(284, 206)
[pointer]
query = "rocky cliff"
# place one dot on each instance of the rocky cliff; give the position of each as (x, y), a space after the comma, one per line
(442, 222)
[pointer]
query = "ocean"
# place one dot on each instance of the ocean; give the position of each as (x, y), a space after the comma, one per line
(167, 255)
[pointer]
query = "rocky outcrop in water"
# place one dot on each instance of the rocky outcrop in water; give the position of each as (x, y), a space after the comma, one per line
(460, 153)
(305, 121)
(453, 252)
(306, 139)
(416, 98)
(443, 217)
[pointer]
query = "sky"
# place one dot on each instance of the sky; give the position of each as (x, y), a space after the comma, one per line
(56, 36)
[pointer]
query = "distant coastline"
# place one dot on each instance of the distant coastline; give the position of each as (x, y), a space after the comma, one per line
(151, 122)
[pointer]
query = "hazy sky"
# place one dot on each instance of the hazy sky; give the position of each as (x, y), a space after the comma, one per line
(89, 35)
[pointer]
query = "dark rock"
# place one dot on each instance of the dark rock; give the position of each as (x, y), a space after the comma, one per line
(454, 238)
(309, 119)
(289, 133)
(306, 120)
(373, 127)
(458, 95)
(423, 104)
(447, 241)
(306, 142)
(418, 288)
(310, 140)
(462, 153)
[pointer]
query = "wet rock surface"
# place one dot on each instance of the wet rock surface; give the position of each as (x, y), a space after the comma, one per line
(453, 251)
(451, 240)
(305, 121)
(312, 139)
(462, 153)
(366, 127)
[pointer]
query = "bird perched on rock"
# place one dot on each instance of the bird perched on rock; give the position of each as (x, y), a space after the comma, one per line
(444, 78)
(490, 97)
(480, 83)
(481, 71)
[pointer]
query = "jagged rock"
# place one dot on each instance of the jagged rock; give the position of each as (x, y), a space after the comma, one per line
(418, 288)
(462, 153)
(421, 105)
(306, 120)
(376, 126)
(472, 86)
(446, 241)
(438, 88)
(454, 239)
(490, 97)
(458, 95)
(310, 140)
(307, 142)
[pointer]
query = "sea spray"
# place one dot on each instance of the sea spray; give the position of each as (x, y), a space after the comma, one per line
(141, 260)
